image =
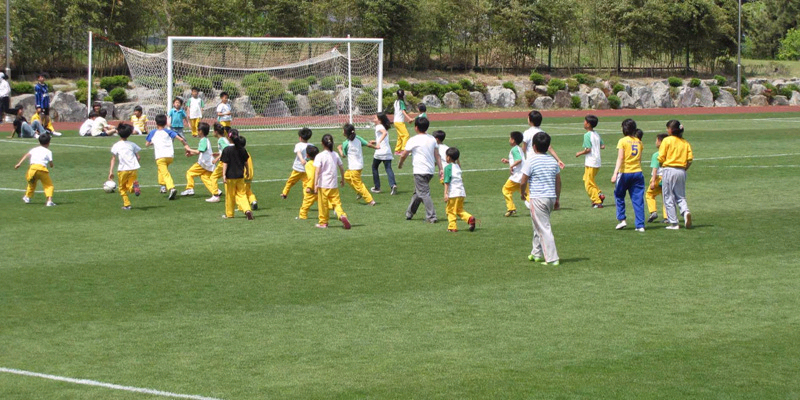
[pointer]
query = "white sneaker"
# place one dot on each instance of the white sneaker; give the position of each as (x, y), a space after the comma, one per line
(163, 189)
(213, 199)
(373, 190)
(639, 229)
(56, 133)
(50, 204)
(187, 192)
(673, 227)
(621, 225)
(26, 199)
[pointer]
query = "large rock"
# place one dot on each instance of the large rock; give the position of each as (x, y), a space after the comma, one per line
(522, 86)
(432, 101)
(441, 81)
(478, 100)
(451, 100)
(562, 99)
(757, 89)
(625, 100)
(795, 100)
(725, 99)
(598, 99)
(26, 101)
(303, 105)
(243, 108)
(758, 81)
(700, 96)
(541, 89)
(125, 109)
(643, 97)
(111, 109)
(758, 101)
(585, 102)
(277, 109)
(65, 108)
(543, 103)
(144, 95)
(342, 99)
(102, 94)
(210, 109)
(501, 97)
(780, 101)
(583, 88)
(661, 95)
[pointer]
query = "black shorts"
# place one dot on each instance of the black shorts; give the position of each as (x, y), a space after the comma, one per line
(5, 105)
(46, 110)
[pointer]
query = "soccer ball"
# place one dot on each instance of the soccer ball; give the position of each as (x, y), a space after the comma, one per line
(109, 186)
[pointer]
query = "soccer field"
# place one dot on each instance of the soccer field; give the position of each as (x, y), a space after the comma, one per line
(170, 297)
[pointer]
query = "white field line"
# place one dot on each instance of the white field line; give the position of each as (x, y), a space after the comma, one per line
(88, 382)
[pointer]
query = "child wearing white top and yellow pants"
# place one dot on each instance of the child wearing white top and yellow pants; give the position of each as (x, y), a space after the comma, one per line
(127, 170)
(326, 186)
(454, 193)
(355, 162)
(40, 158)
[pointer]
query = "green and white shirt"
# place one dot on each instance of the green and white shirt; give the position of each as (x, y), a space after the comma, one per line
(195, 106)
(399, 107)
(592, 141)
(513, 156)
(206, 158)
(355, 157)
(452, 176)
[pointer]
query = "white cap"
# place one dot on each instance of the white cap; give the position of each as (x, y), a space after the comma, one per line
(2, 75)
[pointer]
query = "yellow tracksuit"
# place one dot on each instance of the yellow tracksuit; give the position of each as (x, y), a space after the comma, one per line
(204, 174)
(329, 199)
(35, 174)
(248, 181)
(126, 180)
(194, 124)
(164, 178)
(215, 177)
(308, 198)
(455, 209)
(650, 197)
(293, 179)
(509, 189)
(589, 183)
(353, 178)
(235, 195)
(402, 136)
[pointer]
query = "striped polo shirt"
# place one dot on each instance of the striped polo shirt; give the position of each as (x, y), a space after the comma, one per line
(541, 170)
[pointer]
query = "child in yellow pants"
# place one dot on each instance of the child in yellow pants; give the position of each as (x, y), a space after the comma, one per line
(40, 159)
(248, 185)
(204, 166)
(327, 164)
(400, 118)
(221, 133)
(309, 197)
(514, 162)
(355, 161)
(298, 168)
(592, 144)
(128, 155)
(655, 184)
(234, 167)
(161, 139)
(454, 193)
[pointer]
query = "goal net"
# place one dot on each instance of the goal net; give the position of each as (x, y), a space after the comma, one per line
(273, 83)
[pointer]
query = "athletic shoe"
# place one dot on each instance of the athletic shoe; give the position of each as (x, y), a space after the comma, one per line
(639, 229)
(621, 225)
(597, 205)
(554, 263)
(254, 205)
(471, 223)
(409, 216)
(225, 216)
(673, 227)
(602, 198)
(54, 133)
(249, 215)
(213, 199)
(394, 190)
(126, 207)
(321, 226)
(653, 217)
(187, 192)
(510, 213)
(163, 189)
(527, 204)
(452, 230)
(299, 219)
(533, 258)
(358, 197)
(432, 221)
(374, 190)
(687, 220)
(664, 221)
(27, 200)
(136, 190)
(371, 203)
(283, 196)
(345, 222)
(219, 193)
(172, 193)
(50, 204)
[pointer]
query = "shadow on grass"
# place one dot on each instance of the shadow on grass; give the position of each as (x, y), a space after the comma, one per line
(145, 208)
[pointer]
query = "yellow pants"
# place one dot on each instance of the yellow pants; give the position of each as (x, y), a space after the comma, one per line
(308, 200)
(650, 198)
(293, 179)
(248, 192)
(353, 178)
(215, 177)
(35, 174)
(455, 209)
(329, 200)
(225, 123)
(236, 196)
(126, 180)
(164, 178)
(402, 136)
(205, 176)
(509, 189)
(193, 123)
(589, 183)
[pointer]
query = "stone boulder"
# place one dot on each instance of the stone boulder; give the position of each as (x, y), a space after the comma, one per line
(661, 96)
(101, 94)
(342, 99)
(780, 101)
(210, 109)
(541, 89)
(64, 108)
(242, 107)
(26, 101)
(643, 97)
(758, 81)
(441, 81)
(501, 97)
(795, 100)
(303, 105)
(522, 86)
(562, 99)
(725, 99)
(543, 103)
(598, 99)
(432, 101)
(585, 102)
(478, 100)
(583, 88)
(111, 109)
(700, 96)
(144, 95)
(758, 101)
(451, 100)
(625, 100)
(757, 89)
(277, 109)
(124, 109)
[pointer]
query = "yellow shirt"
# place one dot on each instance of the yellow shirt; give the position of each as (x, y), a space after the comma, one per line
(49, 126)
(675, 152)
(140, 122)
(632, 155)
(310, 172)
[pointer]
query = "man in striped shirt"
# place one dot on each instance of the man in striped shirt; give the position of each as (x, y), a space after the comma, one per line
(542, 174)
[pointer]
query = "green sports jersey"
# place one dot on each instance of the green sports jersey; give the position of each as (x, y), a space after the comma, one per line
(654, 161)
(203, 145)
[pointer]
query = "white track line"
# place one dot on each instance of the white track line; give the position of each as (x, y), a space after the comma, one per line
(88, 382)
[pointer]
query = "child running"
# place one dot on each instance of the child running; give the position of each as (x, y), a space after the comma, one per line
(454, 193)
(309, 195)
(298, 168)
(383, 154)
(248, 177)
(592, 144)
(675, 156)
(234, 166)
(628, 176)
(161, 139)
(655, 183)
(327, 164)
(204, 166)
(425, 152)
(221, 133)
(542, 174)
(355, 162)
(400, 118)
(127, 153)
(41, 158)
(514, 162)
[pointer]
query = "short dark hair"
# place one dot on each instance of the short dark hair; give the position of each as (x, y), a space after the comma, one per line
(439, 135)
(223, 94)
(41, 75)
(422, 124)
(102, 113)
(629, 127)
(161, 120)
(541, 141)
(137, 108)
(179, 99)
(93, 114)
(639, 134)
(592, 120)
(535, 118)
(203, 127)
(422, 107)
(305, 133)
(517, 136)
(124, 130)
(662, 136)
(453, 153)
(312, 151)
(44, 138)
(218, 128)
(195, 89)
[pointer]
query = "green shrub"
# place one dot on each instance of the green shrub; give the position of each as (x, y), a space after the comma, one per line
(510, 85)
(403, 84)
(232, 90)
(721, 80)
(311, 79)
(576, 102)
(388, 103)
(217, 80)
(330, 82)
(614, 101)
(22, 88)
(108, 98)
(583, 79)
(423, 89)
(118, 95)
(82, 84)
(771, 90)
(321, 102)
(203, 84)
(530, 97)
(255, 78)
(367, 103)
(468, 85)
(537, 78)
(572, 84)
(299, 86)
(675, 81)
(389, 92)
(788, 90)
(618, 88)
(110, 82)
(261, 94)
(81, 94)
(356, 81)
(464, 98)
(452, 87)
(694, 82)
(152, 82)
(480, 87)
(714, 91)
(412, 101)
(290, 101)
(554, 86)
(745, 90)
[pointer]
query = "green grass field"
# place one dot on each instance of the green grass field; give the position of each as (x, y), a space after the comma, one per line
(171, 297)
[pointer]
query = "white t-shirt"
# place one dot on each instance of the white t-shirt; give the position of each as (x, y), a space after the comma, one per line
(206, 157)
(5, 88)
(41, 156)
(162, 142)
(527, 138)
(126, 151)
(224, 108)
(443, 154)
(327, 164)
(86, 128)
(452, 176)
(195, 107)
(98, 125)
(399, 107)
(423, 148)
(355, 155)
(385, 151)
(593, 141)
(299, 164)
(513, 156)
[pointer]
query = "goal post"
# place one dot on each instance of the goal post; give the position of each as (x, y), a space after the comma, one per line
(273, 83)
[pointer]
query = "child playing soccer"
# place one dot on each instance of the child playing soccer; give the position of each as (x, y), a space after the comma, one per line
(161, 139)
(40, 159)
(204, 165)
(355, 162)
(327, 163)
(127, 170)
(675, 156)
(383, 154)
(224, 115)
(592, 144)
(248, 177)
(628, 176)
(454, 193)
(535, 121)
(400, 118)
(298, 168)
(309, 196)
(655, 183)
(234, 166)
(139, 121)
(426, 157)
(195, 106)
(543, 175)
(514, 162)
(221, 133)
(176, 116)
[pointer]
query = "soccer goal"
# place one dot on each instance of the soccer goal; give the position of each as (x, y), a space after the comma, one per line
(273, 83)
